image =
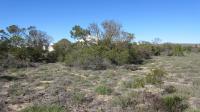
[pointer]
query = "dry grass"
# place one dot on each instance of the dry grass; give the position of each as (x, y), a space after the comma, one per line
(76, 89)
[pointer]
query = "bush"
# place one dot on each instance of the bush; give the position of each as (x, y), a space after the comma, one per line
(170, 89)
(103, 90)
(78, 98)
(61, 48)
(155, 77)
(136, 83)
(178, 50)
(156, 50)
(175, 103)
(139, 53)
(53, 108)
(98, 57)
(124, 101)
(51, 57)
(87, 58)
(174, 49)
(118, 57)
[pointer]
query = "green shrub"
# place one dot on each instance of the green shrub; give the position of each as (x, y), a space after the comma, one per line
(103, 90)
(155, 77)
(169, 89)
(51, 57)
(156, 50)
(44, 109)
(124, 101)
(139, 53)
(193, 110)
(117, 57)
(175, 103)
(61, 48)
(136, 83)
(87, 58)
(178, 50)
(78, 98)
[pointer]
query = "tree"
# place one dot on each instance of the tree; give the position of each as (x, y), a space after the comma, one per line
(61, 48)
(127, 37)
(112, 30)
(113, 33)
(17, 41)
(79, 33)
(95, 31)
(37, 38)
(37, 44)
(156, 41)
(14, 30)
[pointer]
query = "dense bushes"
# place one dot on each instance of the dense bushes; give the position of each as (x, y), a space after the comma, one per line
(175, 103)
(44, 108)
(174, 49)
(87, 58)
(21, 46)
(61, 48)
(101, 57)
(103, 90)
(96, 48)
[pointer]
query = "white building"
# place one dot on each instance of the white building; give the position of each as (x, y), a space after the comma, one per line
(90, 39)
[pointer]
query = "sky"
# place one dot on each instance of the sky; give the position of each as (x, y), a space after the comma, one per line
(175, 21)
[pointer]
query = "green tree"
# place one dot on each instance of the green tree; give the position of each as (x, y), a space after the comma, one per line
(79, 33)
(61, 48)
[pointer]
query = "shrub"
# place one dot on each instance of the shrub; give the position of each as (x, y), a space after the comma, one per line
(170, 89)
(155, 77)
(156, 50)
(139, 53)
(87, 58)
(51, 57)
(155, 101)
(175, 103)
(117, 56)
(136, 83)
(178, 50)
(61, 48)
(78, 98)
(124, 101)
(103, 90)
(36, 108)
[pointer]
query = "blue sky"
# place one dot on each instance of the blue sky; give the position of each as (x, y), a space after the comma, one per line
(171, 20)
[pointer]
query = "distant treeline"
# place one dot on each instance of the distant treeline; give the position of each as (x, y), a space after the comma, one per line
(97, 47)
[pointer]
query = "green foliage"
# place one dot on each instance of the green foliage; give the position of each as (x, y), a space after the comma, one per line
(175, 103)
(170, 89)
(51, 57)
(78, 98)
(178, 50)
(87, 58)
(79, 33)
(155, 77)
(193, 110)
(136, 83)
(45, 108)
(174, 49)
(103, 90)
(61, 48)
(124, 101)
(23, 45)
(118, 57)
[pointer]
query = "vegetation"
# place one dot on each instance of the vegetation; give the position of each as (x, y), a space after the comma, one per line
(102, 59)
(103, 90)
(44, 109)
(136, 83)
(175, 103)
(155, 77)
